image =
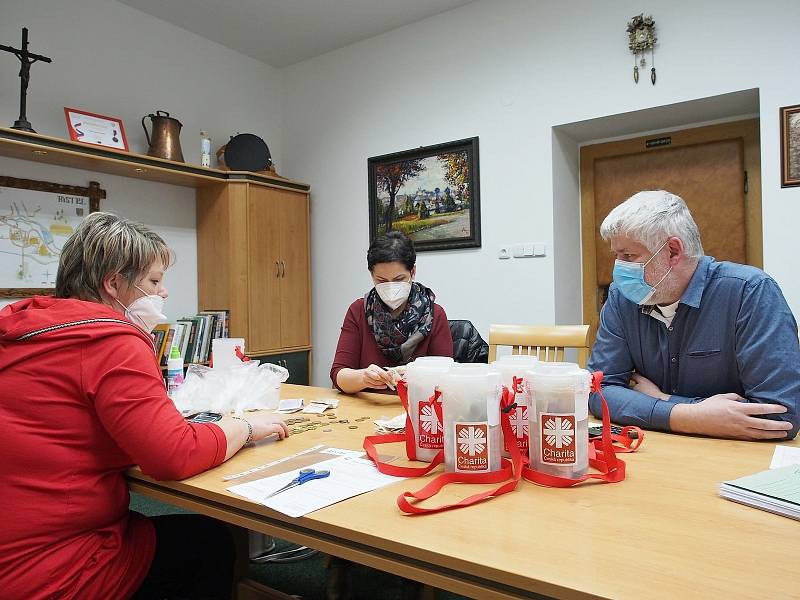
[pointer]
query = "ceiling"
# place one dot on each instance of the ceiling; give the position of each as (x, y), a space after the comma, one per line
(283, 32)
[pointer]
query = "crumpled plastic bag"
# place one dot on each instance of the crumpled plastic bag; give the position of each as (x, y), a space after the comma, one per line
(246, 386)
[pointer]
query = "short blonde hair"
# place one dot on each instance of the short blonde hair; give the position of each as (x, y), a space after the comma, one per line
(102, 246)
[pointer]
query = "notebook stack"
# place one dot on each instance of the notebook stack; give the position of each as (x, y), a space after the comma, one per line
(774, 490)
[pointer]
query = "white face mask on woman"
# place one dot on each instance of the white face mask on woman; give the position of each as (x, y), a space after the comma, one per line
(145, 311)
(393, 293)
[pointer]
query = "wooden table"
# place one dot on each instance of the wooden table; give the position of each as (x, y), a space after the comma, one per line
(662, 533)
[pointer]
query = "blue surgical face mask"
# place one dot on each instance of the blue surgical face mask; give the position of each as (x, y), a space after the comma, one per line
(629, 277)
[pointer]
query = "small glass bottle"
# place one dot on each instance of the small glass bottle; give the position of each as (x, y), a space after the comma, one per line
(205, 149)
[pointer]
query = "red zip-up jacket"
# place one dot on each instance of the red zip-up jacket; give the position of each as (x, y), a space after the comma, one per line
(82, 399)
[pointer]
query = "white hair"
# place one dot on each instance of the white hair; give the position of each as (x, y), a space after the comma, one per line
(650, 218)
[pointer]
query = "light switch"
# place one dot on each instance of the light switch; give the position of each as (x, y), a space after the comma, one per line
(539, 249)
(528, 248)
(519, 250)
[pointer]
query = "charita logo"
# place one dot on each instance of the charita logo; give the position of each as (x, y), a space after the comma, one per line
(431, 434)
(521, 427)
(472, 447)
(558, 439)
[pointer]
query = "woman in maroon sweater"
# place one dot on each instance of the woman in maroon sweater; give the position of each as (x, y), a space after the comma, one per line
(396, 321)
(82, 399)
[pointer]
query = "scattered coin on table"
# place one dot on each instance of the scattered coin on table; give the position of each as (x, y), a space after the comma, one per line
(327, 429)
(353, 426)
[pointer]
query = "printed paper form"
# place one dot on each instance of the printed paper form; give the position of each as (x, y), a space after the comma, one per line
(785, 456)
(782, 483)
(350, 476)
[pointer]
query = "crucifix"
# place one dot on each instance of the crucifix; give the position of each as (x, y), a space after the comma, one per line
(26, 59)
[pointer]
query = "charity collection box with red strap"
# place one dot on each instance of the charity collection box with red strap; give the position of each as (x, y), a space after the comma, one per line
(470, 410)
(470, 416)
(422, 378)
(513, 369)
(557, 398)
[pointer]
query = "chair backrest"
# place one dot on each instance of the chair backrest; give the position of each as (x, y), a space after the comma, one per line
(546, 342)
(468, 345)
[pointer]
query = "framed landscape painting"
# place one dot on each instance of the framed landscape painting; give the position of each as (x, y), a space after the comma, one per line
(790, 146)
(432, 194)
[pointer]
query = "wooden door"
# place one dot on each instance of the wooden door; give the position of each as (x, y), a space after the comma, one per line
(715, 169)
(264, 306)
(295, 269)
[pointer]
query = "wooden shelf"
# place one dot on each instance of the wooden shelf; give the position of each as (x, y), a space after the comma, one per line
(66, 153)
(186, 365)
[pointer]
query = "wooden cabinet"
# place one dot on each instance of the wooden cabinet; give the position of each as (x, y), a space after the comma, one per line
(252, 239)
(253, 258)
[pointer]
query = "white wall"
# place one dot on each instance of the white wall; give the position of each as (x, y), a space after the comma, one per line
(505, 70)
(114, 60)
(170, 210)
(508, 71)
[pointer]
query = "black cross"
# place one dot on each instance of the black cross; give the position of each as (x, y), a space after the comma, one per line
(26, 59)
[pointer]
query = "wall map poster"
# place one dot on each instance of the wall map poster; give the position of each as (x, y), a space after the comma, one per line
(33, 228)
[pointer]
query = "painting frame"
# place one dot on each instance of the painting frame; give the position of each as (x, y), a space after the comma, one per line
(790, 146)
(93, 191)
(466, 195)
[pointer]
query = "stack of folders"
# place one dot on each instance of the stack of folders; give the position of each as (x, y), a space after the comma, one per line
(775, 490)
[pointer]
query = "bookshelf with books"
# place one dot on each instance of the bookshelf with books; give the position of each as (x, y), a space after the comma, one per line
(192, 335)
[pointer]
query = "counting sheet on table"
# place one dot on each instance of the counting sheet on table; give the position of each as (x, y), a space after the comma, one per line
(350, 476)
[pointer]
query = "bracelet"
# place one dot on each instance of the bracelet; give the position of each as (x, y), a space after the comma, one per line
(249, 429)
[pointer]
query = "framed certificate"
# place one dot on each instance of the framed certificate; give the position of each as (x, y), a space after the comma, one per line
(90, 128)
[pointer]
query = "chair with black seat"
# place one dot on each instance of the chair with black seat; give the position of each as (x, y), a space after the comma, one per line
(468, 345)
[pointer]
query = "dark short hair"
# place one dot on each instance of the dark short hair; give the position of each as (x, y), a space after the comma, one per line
(394, 246)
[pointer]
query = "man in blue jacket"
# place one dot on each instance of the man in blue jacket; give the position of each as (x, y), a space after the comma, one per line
(686, 343)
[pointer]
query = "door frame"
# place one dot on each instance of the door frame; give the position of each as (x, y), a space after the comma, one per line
(748, 130)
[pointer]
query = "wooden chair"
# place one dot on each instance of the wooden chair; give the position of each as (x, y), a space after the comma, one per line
(546, 342)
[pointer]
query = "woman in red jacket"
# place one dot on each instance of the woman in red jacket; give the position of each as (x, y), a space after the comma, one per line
(82, 399)
(396, 321)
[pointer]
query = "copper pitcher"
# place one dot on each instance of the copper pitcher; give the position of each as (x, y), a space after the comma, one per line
(165, 140)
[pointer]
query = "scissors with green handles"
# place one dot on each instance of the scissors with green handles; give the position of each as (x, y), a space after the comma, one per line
(304, 476)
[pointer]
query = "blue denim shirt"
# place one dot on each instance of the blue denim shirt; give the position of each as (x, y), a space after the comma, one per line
(732, 332)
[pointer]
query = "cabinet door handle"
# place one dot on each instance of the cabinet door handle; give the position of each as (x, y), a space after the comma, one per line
(277, 269)
(283, 269)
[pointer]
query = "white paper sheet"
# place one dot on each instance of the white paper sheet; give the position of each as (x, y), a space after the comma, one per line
(290, 405)
(785, 456)
(351, 475)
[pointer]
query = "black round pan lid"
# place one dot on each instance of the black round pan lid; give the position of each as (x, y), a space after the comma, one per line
(247, 152)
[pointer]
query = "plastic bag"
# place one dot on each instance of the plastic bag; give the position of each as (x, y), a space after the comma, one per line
(246, 386)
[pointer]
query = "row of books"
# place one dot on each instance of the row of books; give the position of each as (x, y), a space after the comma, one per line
(192, 335)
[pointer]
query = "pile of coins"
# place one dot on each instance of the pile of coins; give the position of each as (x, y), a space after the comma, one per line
(303, 424)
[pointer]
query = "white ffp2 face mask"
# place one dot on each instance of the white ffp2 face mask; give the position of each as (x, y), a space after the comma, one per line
(145, 311)
(393, 293)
